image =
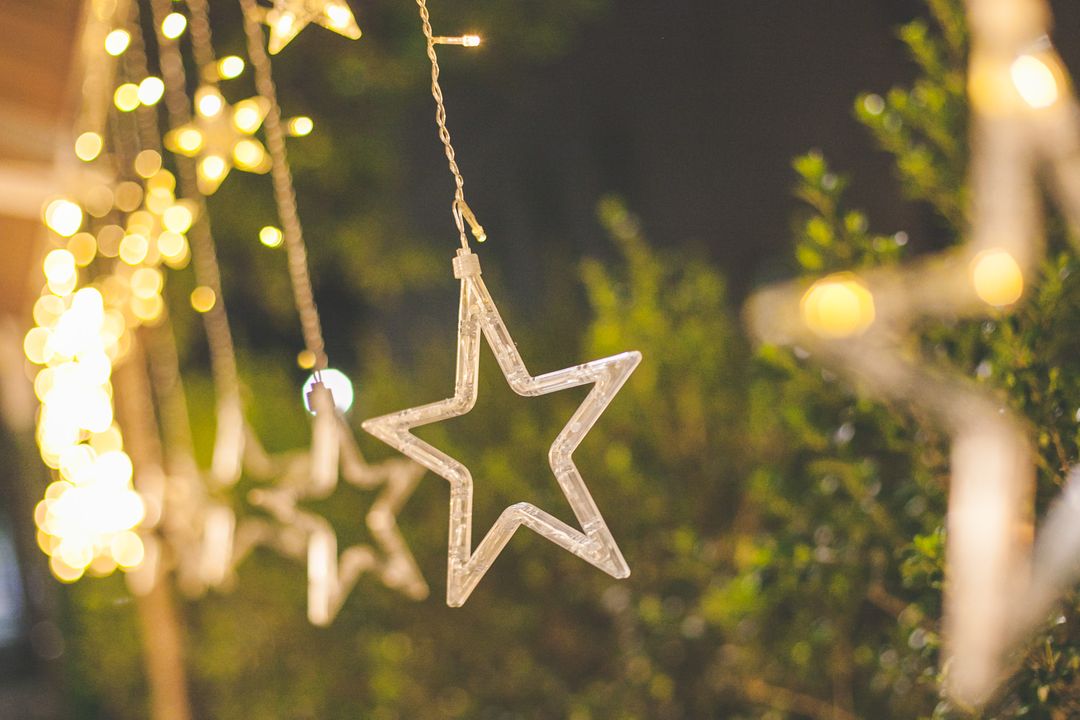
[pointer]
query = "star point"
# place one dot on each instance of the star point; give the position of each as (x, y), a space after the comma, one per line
(594, 542)
(288, 17)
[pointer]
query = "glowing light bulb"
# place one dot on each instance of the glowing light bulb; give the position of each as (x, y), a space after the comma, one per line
(997, 278)
(339, 16)
(271, 237)
(470, 40)
(209, 102)
(212, 167)
(60, 272)
(305, 359)
(230, 67)
(189, 140)
(301, 126)
(88, 146)
(339, 385)
(151, 89)
(126, 97)
(177, 218)
(146, 282)
(248, 115)
(838, 306)
(1035, 80)
(117, 41)
(171, 245)
(248, 154)
(133, 248)
(173, 25)
(203, 299)
(63, 217)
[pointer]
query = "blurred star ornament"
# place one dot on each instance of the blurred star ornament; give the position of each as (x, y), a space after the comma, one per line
(310, 537)
(594, 543)
(288, 17)
(221, 137)
(1000, 587)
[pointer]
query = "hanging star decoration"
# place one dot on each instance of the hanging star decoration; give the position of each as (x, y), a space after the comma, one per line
(288, 17)
(594, 543)
(221, 137)
(999, 587)
(311, 538)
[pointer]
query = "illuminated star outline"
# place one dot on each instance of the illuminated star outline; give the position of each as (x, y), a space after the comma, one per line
(594, 543)
(310, 537)
(288, 17)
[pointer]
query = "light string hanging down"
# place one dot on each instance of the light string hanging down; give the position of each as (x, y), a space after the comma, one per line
(333, 451)
(478, 315)
(1024, 117)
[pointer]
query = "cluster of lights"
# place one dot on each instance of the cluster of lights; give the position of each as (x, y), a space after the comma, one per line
(129, 96)
(87, 521)
(87, 518)
(221, 137)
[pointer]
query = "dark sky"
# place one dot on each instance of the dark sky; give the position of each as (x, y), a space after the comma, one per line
(692, 110)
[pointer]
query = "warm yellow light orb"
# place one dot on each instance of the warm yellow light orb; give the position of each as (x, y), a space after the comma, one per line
(177, 218)
(63, 217)
(305, 359)
(838, 306)
(997, 278)
(246, 117)
(229, 67)
(208, 102)
(1035, 81)
(339, 16)
(171, 245)
(271, 237)
(301, 125)
(203, 299)
(189, 140)
(150, 90)
(133, 248)
(212, 167)
(146, 282)
(248, 154)
(88, 146)
(59, 266)
(126, 97)
(173, 25)
(470, 40)
(117, 41)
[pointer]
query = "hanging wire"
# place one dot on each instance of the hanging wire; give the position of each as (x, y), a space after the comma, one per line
(284, 191)
(460, 209)
(203, 251)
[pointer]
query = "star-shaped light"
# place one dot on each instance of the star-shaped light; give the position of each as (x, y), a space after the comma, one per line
(221, 136)
(999, 588)
(594, 543)
(288, 17)
(309, 537)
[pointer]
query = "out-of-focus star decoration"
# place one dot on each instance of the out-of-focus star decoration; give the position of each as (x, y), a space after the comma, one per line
(221, 136)
(288, 17)
(999, 588)
(306, 536)
(594, 543)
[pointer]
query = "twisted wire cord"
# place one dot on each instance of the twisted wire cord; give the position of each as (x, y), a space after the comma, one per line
(284, 190)
(459, 205)
(203, 250)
